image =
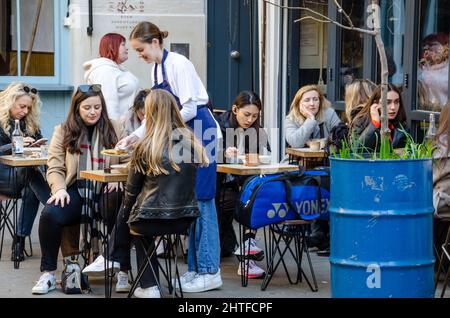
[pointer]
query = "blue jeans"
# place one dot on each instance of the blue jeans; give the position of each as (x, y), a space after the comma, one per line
(204, 245)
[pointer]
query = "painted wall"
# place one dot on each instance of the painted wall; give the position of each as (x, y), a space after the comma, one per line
(184, 20)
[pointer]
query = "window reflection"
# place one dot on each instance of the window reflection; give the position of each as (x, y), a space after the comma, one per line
(352, 50)
(432, 86)
(8, 60)
(393, 32)
(36, 31)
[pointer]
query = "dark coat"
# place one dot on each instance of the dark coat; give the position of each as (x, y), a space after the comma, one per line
(370, 136)
(166, 197)
(226, 122)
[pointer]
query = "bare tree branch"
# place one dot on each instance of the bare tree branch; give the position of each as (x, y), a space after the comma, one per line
(311, 18)
(342, 11)
(324, 17)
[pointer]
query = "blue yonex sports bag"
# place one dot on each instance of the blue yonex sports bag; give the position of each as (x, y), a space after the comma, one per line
(275, 198)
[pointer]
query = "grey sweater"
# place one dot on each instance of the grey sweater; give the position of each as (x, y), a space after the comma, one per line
(297, 135)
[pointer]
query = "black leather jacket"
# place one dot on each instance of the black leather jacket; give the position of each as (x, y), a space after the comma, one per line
(149, 197)
(370, 136)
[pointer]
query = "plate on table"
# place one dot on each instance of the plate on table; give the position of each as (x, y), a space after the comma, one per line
(115, 153)
(121, 168)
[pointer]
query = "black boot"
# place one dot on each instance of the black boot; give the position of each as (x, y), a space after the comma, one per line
(17, 249)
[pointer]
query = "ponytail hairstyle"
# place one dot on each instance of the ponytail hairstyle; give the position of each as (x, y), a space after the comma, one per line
(146, 31)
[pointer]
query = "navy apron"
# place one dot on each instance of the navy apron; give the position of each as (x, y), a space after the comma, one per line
(205, 187)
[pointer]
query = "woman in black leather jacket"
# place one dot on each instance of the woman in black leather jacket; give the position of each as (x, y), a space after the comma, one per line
(160, 190)
(367, 123)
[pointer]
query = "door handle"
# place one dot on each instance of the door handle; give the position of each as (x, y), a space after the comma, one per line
(235, 55)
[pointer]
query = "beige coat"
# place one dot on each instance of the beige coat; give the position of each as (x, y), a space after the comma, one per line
(441, 181)
(62, 165)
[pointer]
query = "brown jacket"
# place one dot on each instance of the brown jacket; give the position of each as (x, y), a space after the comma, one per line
(62, 165)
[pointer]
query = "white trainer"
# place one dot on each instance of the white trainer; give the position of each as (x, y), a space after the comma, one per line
(202, 283)
(160, 249)
(254, 271)
(250, 250)
(97, 268)
(46, 283)
(185, 278)
(151, 292)
(122, 285)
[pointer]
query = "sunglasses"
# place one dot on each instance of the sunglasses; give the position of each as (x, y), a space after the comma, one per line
(96, 88)
(31, 90)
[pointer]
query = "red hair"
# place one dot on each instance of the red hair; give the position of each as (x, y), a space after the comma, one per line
(109, 46)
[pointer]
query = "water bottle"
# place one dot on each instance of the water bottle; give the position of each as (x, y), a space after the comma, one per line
(17, 140)
(431, 132)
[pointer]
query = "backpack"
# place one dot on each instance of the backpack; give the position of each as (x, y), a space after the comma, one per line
(72, 280)
(275, 198)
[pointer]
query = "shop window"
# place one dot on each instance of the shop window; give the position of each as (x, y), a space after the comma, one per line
(27, 38)
(352, 46)
(393, 34)
(313, 49)
(433, 55)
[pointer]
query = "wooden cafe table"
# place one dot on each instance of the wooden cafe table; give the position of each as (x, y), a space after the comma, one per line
(307, 158)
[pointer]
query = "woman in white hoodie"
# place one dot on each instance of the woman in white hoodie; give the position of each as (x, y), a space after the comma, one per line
(119, 86)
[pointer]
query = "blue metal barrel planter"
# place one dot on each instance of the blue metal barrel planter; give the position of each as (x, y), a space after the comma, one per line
(381, 223)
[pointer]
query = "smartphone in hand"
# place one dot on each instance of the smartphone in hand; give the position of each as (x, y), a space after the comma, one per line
(39, 142)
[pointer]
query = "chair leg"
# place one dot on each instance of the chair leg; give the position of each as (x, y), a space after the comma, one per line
(143, 267)
(311, 268)
(170, 248)
(441, 258)
(244, 266)
(444, 287)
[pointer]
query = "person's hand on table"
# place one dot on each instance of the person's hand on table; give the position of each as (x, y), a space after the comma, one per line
(61, 196)
(231, 152)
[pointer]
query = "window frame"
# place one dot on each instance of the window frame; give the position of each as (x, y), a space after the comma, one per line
(410, 58)
(60, 78)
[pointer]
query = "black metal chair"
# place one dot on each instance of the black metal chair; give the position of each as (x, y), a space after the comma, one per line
(281, 237)
(8, 208)
(444, 257)
(172, 243)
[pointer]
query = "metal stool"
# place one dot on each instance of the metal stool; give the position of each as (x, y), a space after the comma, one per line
(171, 243)
(6, 209)
(288, 232)
(444, 256)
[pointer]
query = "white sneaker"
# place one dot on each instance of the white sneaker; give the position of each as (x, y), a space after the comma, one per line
(254, 271)
(255, 253)
(202, 283)
(122, 285)
(97, 268)
(185, 278)
(46, 283)
(160, 249)
(151, 292)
